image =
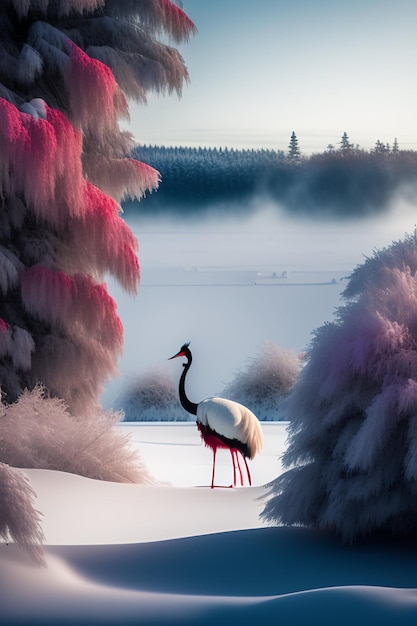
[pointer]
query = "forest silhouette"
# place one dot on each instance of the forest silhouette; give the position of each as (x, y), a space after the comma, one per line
(345, 182)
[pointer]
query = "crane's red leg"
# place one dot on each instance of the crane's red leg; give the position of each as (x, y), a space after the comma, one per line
(247, 469)
(236, 465)
(232, 454)
(240, 469)
(214, 467)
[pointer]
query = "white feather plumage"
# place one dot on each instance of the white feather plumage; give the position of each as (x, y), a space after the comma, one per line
(232, 420)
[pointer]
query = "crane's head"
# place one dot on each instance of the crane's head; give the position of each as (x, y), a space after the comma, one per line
(184, 351)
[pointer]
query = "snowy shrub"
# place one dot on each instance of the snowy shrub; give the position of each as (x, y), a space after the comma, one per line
(352, 453)
(151, 397)
(266, 381)
(38, 432)
(19, 522)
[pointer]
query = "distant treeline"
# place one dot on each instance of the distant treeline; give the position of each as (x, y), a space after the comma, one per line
(349, 182)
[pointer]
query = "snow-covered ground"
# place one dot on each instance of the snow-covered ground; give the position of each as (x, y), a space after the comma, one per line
(178, 552)
(185, 554)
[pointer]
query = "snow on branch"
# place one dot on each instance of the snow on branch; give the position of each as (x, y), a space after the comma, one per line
(54, 8)
(9, 276)
(6, 342)
(30, 64)
(23, 346)
(51, 45)
(156, 16)
(17, 344)
(154, 65)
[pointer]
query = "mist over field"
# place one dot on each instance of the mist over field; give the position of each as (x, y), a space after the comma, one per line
(229, 285)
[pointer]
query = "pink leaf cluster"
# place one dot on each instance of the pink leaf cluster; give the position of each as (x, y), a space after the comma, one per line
(105, 242)
(40, 163)
(85, 337)
(89, 80)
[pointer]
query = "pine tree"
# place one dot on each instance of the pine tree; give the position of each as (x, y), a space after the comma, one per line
(67, 71)
(294, 153)
(380, 148)
(345, 144)
(352, 448)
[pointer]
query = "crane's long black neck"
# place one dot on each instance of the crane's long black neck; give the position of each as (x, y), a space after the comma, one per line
(189, 406)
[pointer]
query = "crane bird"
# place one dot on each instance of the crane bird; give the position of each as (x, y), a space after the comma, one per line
(223, 424)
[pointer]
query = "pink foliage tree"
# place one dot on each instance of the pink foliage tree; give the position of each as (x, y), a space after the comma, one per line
(67, 71)
(352, 453)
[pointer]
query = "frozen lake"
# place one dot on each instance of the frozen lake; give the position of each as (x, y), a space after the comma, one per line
(229, 286)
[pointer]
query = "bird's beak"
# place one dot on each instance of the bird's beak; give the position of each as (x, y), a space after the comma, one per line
(180, 353)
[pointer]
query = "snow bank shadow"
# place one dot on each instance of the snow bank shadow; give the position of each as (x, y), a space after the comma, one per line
(259, 562)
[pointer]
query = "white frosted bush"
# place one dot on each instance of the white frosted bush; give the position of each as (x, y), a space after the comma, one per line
(352, 453)
(37, 432)
(266, 381)
(151, 397)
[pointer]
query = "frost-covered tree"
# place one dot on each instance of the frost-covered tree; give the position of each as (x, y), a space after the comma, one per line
(266, 381)
(352, 453)
(67, 71)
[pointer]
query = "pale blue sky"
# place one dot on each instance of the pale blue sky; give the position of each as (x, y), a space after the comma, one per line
(263, 68)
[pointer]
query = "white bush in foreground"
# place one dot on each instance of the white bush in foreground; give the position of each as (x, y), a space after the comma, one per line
(352, 448)
(266, 381)
(38, 432)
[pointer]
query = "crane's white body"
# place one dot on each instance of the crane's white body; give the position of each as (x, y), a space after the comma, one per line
(232, 420)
